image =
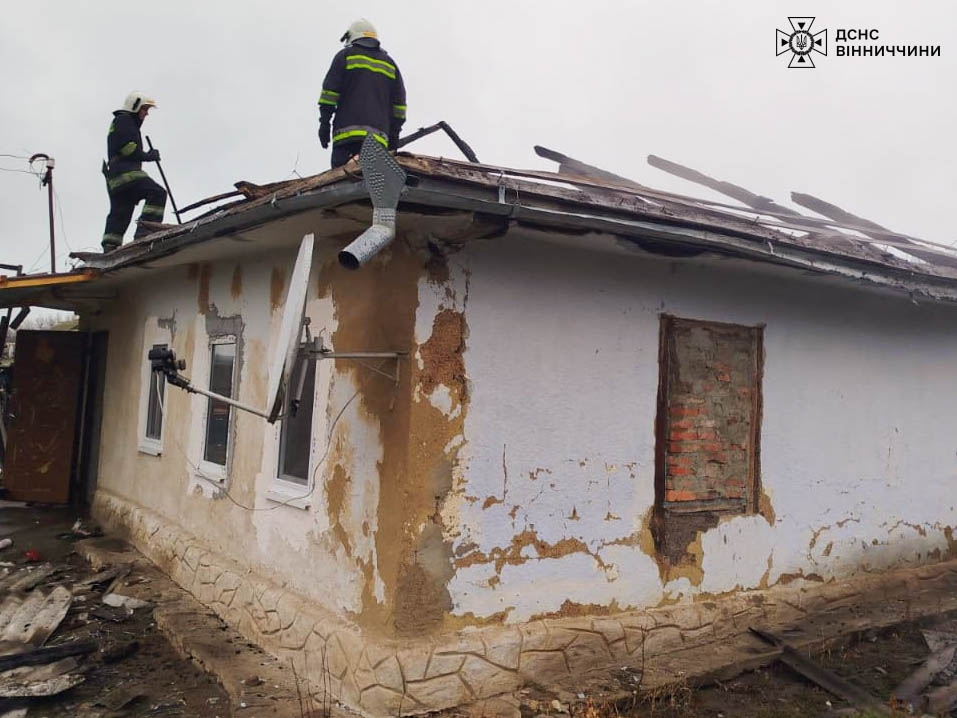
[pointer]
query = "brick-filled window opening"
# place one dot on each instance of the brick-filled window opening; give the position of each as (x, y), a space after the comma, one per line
(218, 413)
(155, 402)
(708, 428)
(295, 441)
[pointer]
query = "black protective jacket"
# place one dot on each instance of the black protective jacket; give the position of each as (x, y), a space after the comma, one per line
(365, 92)
(124, 145)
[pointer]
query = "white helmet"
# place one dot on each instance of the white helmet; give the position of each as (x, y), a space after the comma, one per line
(357, 30)
(136, 100)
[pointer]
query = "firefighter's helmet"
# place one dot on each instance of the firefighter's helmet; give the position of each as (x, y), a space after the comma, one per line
(137, 100)
(359, 29)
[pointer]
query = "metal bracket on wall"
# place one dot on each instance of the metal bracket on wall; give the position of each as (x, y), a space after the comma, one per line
(315, 348)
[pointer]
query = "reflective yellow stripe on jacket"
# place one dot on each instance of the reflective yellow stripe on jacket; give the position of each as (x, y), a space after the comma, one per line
(364, 62)
(125, 178)
(328, 97)
(357, 132)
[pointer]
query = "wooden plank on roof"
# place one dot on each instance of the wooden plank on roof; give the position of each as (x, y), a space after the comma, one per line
(874, 230)
(832, 211)
(728, 189)
(569, 165)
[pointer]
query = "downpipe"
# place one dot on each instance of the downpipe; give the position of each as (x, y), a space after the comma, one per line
(372, 241)
(384, 180)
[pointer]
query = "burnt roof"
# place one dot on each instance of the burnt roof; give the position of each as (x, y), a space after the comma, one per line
(582, 198)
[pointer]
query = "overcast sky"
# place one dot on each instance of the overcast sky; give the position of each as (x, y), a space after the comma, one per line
(606, 82)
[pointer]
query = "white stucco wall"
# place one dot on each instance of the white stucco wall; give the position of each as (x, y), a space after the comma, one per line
(857, 445)
(561, 358)
(293, 544)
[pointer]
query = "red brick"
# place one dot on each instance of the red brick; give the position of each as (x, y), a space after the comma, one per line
(680, 496)
(682, 424)
(685, 435)
(685, 411)
(706, 435)
(680, 471)
(724, 377)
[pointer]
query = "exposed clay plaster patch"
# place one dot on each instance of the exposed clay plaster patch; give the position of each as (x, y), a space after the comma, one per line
(765, 508)
(277, 283)
(442, 355)
(375, 311)
(336, 489)
(514, 554)
(202, 295)
(236, 286)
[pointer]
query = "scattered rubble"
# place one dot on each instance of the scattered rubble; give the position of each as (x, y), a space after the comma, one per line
(80, 643)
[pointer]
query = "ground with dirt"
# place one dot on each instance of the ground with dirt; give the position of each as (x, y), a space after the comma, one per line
(134, 672)
(876, 662)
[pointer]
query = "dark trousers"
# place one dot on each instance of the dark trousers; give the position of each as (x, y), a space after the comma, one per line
(123, 201)
(342, 152)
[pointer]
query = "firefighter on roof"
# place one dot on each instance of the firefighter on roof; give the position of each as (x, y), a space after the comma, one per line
(126, 182)
(363, 90)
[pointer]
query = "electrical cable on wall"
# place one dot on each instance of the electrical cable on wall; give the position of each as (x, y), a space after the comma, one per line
(319, 463)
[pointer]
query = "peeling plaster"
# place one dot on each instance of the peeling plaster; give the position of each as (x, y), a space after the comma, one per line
(588, 394)
(510, 473)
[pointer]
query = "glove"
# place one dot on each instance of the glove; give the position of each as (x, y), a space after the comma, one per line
(152, 156)
(324, 135)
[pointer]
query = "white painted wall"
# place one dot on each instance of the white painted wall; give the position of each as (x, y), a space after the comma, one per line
(857, 442)
(858, 456)
(292, 544)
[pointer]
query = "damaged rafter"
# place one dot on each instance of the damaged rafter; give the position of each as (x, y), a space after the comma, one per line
(744, 196)
(586, 175)
(837, 218)
(569, 165)
(874, 230)
(445, 127)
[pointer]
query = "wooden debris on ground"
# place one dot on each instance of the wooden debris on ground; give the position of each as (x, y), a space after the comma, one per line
(828, 680)
(932, 688)
(37, 681)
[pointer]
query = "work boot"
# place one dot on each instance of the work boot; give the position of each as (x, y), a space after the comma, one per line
(145, 227)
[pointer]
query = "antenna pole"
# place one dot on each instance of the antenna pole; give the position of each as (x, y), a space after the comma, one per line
(48, 181)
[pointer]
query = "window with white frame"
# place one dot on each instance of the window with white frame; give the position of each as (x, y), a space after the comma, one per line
(154, 403)
(295, 439)
(222, 363)
(152, 407)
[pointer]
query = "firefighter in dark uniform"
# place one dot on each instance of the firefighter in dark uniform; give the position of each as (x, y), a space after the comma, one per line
(126, 182)
(364, 90)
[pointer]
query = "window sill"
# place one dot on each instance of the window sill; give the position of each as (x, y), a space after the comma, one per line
(150, 448)
(213, 473)
(286, 493)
